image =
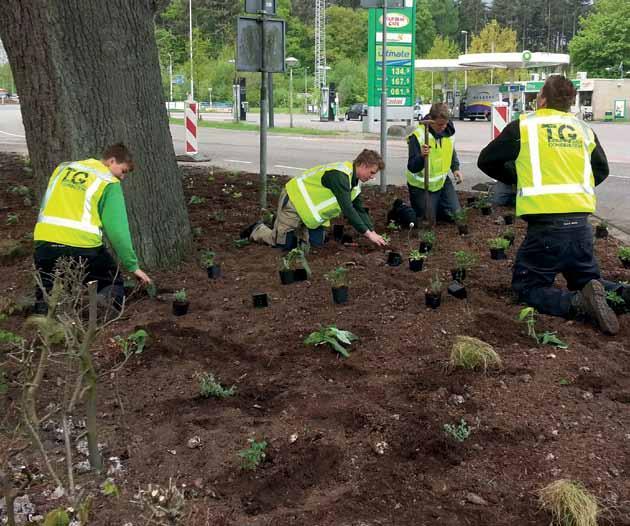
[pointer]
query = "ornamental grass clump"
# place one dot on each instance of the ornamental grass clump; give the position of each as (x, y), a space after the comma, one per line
(569, 503)
(471, 353)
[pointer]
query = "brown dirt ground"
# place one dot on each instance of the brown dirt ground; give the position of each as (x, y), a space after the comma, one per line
(531, 421)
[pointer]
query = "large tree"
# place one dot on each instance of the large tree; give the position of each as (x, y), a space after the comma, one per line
(604, 38)
(88, 75)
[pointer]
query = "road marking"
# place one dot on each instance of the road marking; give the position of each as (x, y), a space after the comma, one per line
(12, 134)
(290, 167)
(237, 161)
(619, 176)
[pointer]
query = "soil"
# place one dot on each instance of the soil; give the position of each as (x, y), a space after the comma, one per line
(351, 442)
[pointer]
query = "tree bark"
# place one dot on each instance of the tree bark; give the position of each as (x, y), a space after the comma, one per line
(88, 76)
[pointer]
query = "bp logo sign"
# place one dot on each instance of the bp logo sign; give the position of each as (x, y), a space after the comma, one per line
(527, 56)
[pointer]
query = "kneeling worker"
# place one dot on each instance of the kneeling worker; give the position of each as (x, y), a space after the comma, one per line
(84, 198)
(309, 201)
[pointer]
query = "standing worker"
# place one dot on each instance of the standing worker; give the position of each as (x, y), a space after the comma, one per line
(559, 161)
(309, 201)
(84, 198)
(442, 158)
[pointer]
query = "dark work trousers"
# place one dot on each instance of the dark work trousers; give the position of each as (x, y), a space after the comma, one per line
(443, 202)
(100, 266)
(559, 246)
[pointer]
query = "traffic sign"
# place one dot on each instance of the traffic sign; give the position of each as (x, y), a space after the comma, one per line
(178, 79)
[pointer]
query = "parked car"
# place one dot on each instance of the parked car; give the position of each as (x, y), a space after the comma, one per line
(420, 111)
(356, 112)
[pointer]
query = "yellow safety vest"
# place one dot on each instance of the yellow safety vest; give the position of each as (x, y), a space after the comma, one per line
(314, 203)
(69, 211)
(440, 160)
(554, 164)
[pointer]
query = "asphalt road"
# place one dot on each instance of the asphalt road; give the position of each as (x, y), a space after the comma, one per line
(289, 155)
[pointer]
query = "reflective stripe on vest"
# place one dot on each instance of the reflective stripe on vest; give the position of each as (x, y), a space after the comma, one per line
(554, 164)
(314, 203)
(440, 160)
(69, 211)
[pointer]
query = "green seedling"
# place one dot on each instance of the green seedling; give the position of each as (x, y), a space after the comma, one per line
(338, 277)
(152, 290)
(393, 226)
(569, 503)
(132, 344)
(416, 255)
(436, 285)
(603, 224)
(180, 296)
(564, 381)
(483, 201)
(624, 253)
(460, 216)
(296, 258)
(499, 243)
(459, 432)
(240, 243)
(210, 387)
(254, 455)
(334, 337)
(20, 190)
(528, 316)
(196, 200)
(12, 218)
(57, 517)
(197, 231)
(508, 234)
(110, 489)
(464, 260)
(428, 237)
(219, 216)
(614, 299)
(237, 195)
(207, 258)
(386, 237)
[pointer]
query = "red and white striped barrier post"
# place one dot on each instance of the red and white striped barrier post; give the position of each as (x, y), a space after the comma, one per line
(191, 128)
(500, 118)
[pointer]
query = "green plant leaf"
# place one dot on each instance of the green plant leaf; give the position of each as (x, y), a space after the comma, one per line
(527, 311)
(338, 347)
(344, 336)
(57, 517)
(550, 338)
(110, 489)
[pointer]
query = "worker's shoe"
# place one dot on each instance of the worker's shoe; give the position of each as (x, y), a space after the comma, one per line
(591, 301)
(247, 232)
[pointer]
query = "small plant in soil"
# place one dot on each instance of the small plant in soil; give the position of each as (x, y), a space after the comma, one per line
(207, 260)
(165, 506)
(460, 217)
(210, 387)
(240, 243)
(12, 218)
(334, 337)
(458, 432)
(464, 261)
(20, 190)
(180, 302)
(196, 200)
(338, 279)
(483, 203)
(416, 260)
(285, 271)
(615, 301)
(474, 354)
(624, 256)
(297, 261)
(509, 234)
(197, 232)
(237, 195)
(528, 316)
(386, 237)
(498, 246)
(254, 455)
(393, 226)
(427, 241)
(569, 503)
(132, 344)
(433, 295)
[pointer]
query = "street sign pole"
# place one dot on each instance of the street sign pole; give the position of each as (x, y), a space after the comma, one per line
(263, 118)
(384, 102)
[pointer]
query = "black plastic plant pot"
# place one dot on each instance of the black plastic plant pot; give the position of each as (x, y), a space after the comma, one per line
(470, 200)
(340, 294)
(346, 238)
(508, 219)
(486, 210)
(338, 232)
(459, 274)
(214, 272)
(286, 277)
(425, 247)
(300, 274)
(415, 265)
(261, 300)
(394, 259)
(457, 290)
(180, 308)
(625, 262)
(601, 232)
(432, 300)
(497, 253)
(462, 230)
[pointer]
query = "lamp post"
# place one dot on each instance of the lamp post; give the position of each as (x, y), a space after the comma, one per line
(465, 33)
(305, 90)
(291, 63)
(170, 74)
(210, 97)
(192, 86)
(235, 112)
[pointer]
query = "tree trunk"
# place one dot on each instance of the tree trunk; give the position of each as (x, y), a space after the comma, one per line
(88, 75)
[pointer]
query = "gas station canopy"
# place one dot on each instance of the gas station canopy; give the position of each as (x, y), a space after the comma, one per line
(525, 59)
(442, 65)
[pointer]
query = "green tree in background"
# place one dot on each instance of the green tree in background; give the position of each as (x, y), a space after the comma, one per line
(346, 34)
(445, 17)
(603, 39)
(443, 47)
(425, 28)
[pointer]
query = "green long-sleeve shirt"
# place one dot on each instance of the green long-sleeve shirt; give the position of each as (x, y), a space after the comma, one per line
(113, 212)
(337, 182)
